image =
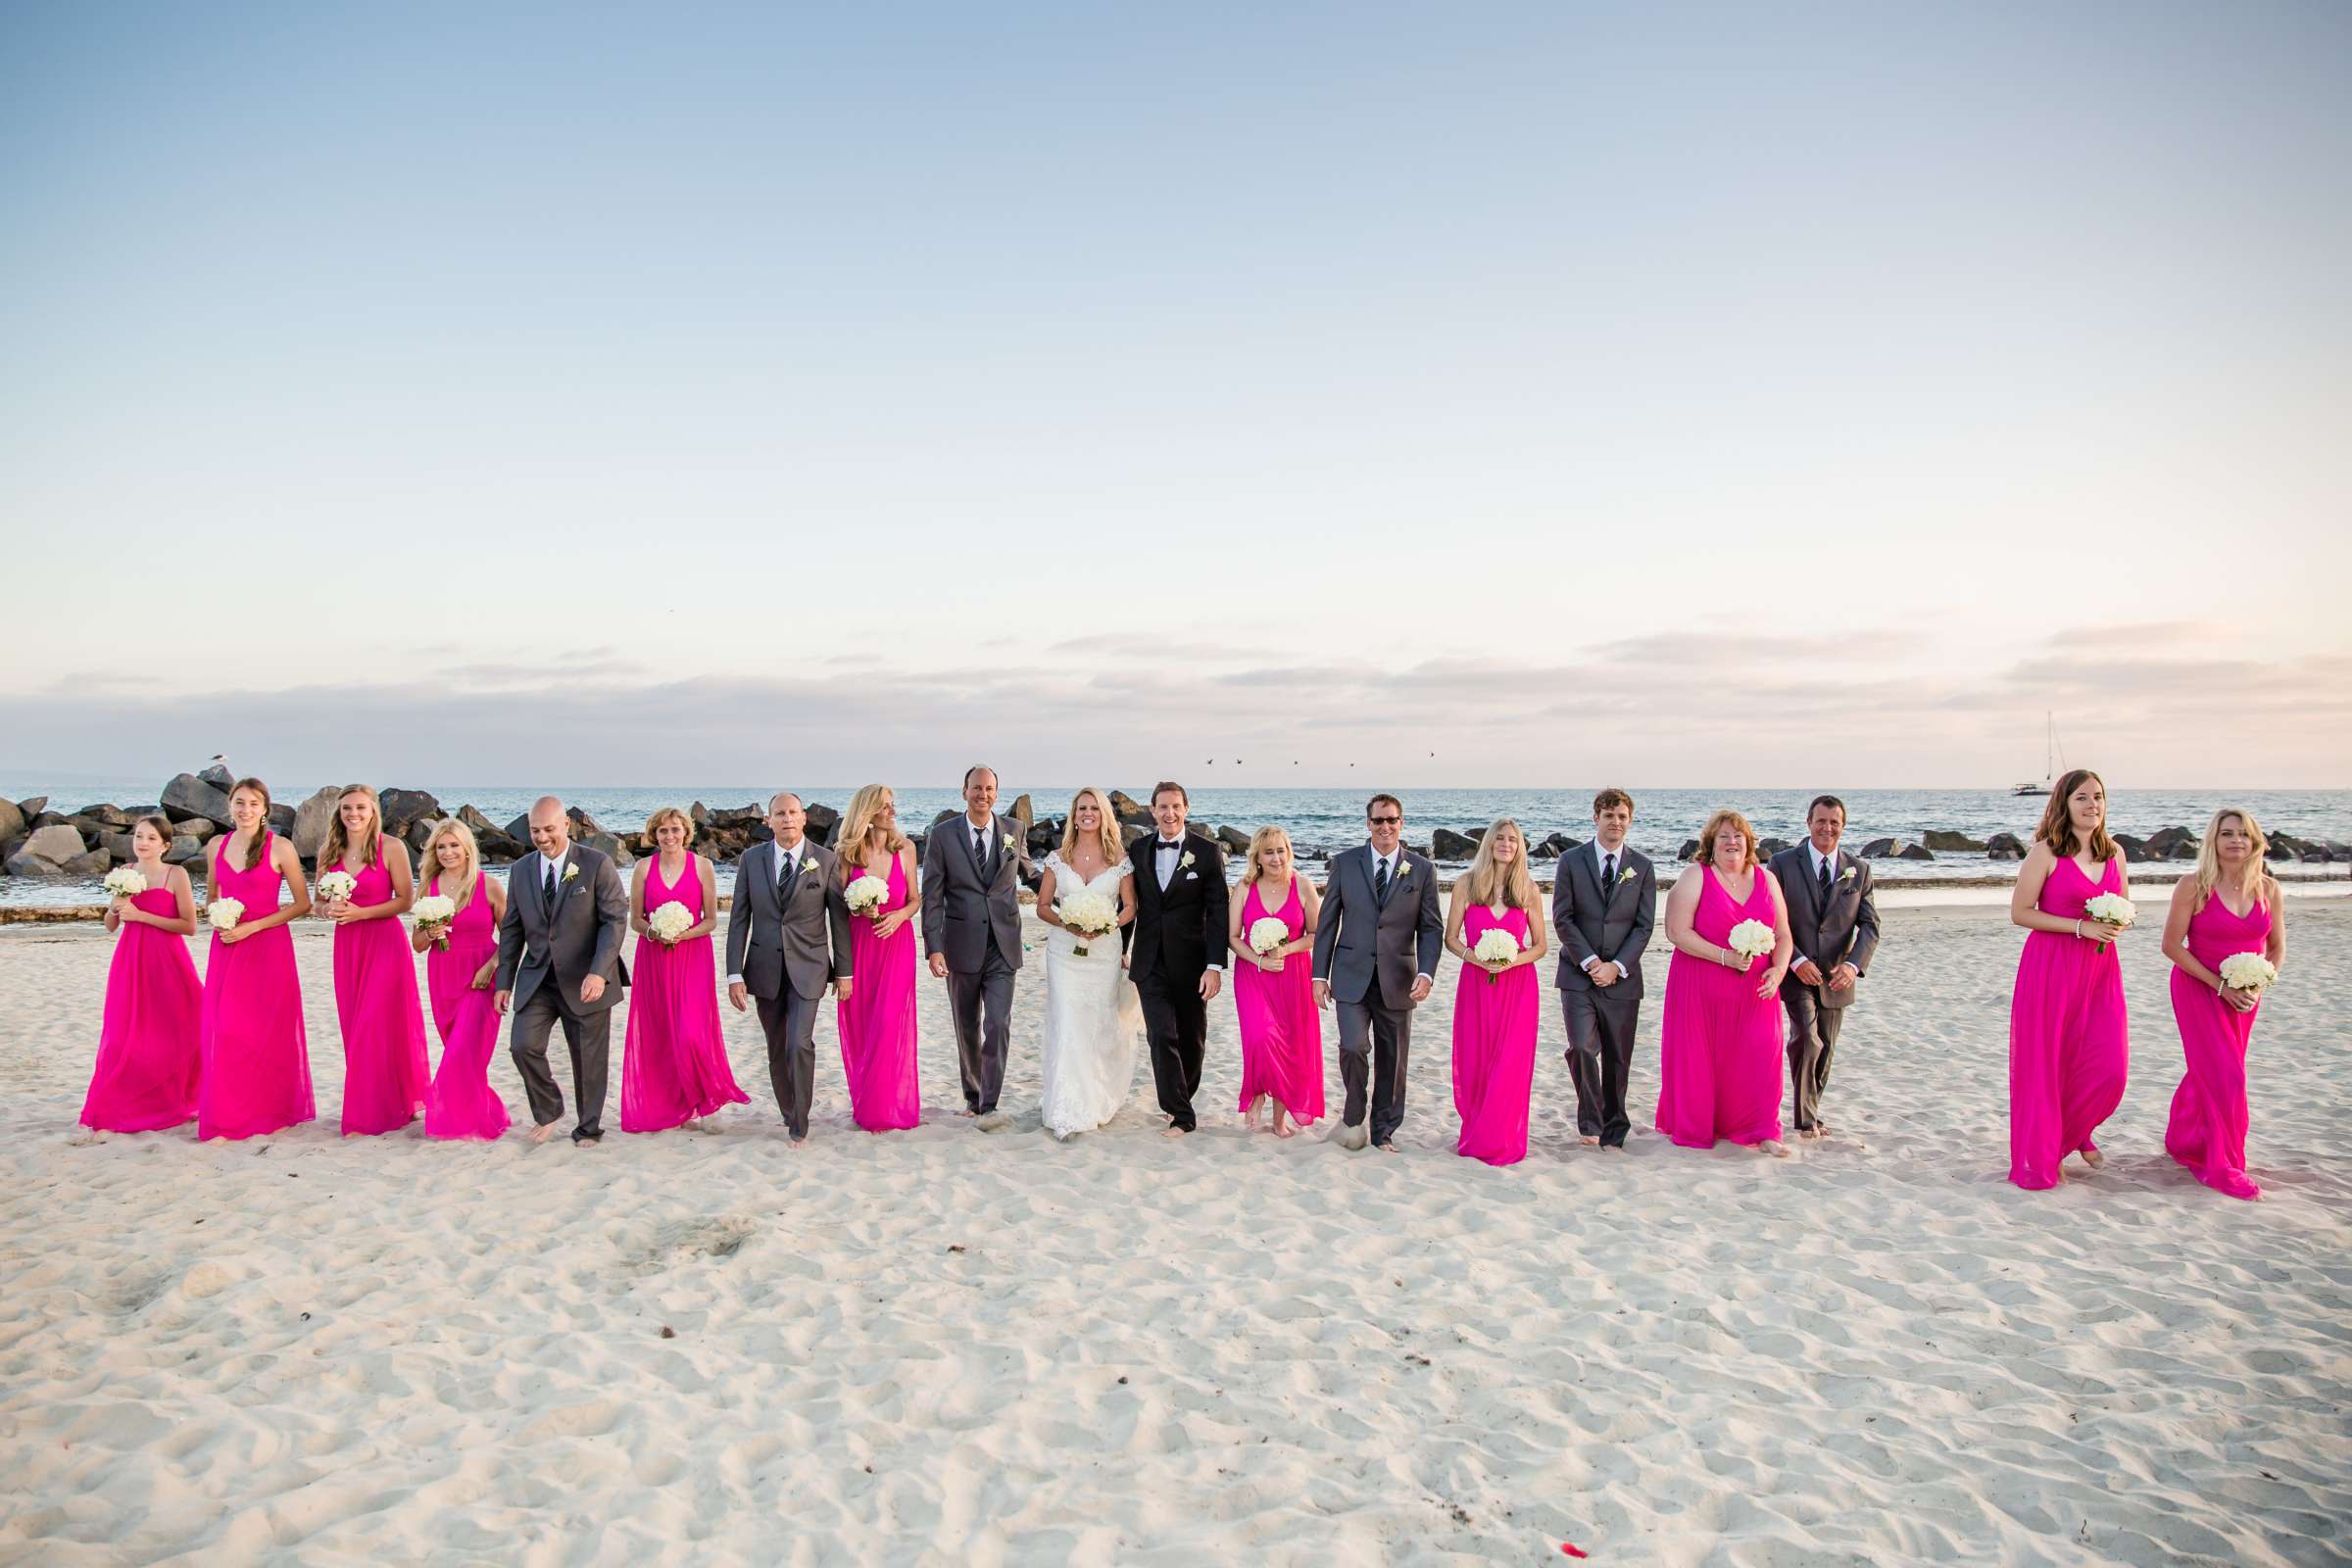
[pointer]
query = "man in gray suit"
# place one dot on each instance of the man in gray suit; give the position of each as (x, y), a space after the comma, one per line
(1377, 942)
(787, 938)
(559, 961)
(972, 870)
(1833, 921)
(1604, 900)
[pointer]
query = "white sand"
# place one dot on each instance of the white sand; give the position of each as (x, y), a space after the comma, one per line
(946, 1347)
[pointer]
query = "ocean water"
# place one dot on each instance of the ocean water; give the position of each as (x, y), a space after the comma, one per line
(1321, 821)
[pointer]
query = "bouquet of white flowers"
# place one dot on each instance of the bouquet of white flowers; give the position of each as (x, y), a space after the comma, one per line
(127, 882)
(670, 922)
(336, 885)
(433, 914)
(1090, 914)
(1495, 946)
(866, 895)
(224, 914)
(1268, 933)
(2111, 907)
(1750, 938)
(2247, 971)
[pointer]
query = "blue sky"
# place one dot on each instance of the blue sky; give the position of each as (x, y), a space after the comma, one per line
(471, 395)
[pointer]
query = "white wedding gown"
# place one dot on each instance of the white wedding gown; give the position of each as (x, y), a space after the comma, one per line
(1094, 1020)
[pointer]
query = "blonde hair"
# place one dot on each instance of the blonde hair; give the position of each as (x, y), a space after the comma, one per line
(1259, 841)
(858, 824)
(669, 813)
(1717, 825)
(449, 827)
(1107, 833)
(2209, 855)
(1485, 881)
(337, 846)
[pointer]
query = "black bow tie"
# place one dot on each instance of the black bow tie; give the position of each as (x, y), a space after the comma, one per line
(1171, 844)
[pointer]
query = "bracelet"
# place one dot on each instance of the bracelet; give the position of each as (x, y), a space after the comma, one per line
(2078, 930)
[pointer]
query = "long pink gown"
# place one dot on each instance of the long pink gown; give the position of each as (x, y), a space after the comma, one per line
(2208, 1129)
(1494, 1019)
(460, 1103)
(1282, 1031)
(674, 1062)
(150, 1058)
(877, 1021)
(386, 1071)
(1719, 1070)
(2070, 1047)
(257, 1056)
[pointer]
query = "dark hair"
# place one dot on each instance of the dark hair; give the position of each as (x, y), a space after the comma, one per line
(1612, 796)
(1167, 784)
(980, 767)
(160, 822)
(1376, 799)
(2057, 828)
(1820, 800)
(253, 850)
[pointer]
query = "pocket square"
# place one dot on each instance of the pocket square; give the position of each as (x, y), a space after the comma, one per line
(1192, 877)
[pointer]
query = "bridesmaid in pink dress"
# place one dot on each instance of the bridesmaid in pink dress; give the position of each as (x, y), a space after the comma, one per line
(1496, 1002)
(460, 961)
(2069, 1046)
(2229, 906)
(877, 1017)
(385, 1072)
(148, 1053)
(674, 1066)
(1274, 993)
(1720, 1037)
(257, 1059)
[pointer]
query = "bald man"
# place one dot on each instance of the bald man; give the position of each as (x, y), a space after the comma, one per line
(559, 962)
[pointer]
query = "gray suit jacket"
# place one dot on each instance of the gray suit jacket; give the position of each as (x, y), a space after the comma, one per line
(1359, 940)
(965, 899)
(1846, 932)
(1612, 923)
(578, 936)
(805, 939)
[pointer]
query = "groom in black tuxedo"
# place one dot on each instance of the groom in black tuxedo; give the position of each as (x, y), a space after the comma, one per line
(1176, 956)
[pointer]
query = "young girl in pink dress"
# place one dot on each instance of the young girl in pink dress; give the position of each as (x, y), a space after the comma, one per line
(1720, 1036)
(149, 1055)
(460, 962)
(877, 1017)
(257, 1062)
(1274, 992)
(1496, 1002)
(2229, 907)
(2069, 1046)
(674, 1066)
(385, 1072)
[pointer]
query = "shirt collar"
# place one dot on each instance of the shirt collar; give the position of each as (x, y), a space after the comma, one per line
(1601, 852)
(1820, 859)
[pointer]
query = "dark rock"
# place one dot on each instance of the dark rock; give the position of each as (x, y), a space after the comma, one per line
(2004, 853)
(184, 850)
(2005, 846)
(823, 823)
(520, 830)
(1766, 849)
(1422, 850)
(90, 863)
(2172, 844)
(33, 806)
(281, 817)
(583, 823)
(217, 775)
(1127, 808)
(1448, 845)
(117, 847)
(190, 796)
(23, 863)
(598, 839)
(1234, 840)
(1022, 813)
(53, 819)
(1878, 849)
(89, 827)
(1689, 851)
(1045, 836)
(113, 816)
(945, 817)
(403, 808)
(1129, 832)
(1956, 843)
(745, 816)
(1554, 845)
(312, 818)
(11, 819)
(1915, 852)
(2136, 850)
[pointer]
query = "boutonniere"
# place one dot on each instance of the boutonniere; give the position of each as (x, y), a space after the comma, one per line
(1849, 873)
(1404, 868)
(1626, 875)
(1007, 843)
(1186, 858)
(572, 873)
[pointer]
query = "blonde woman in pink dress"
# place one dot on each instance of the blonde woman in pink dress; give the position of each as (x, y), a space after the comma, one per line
(386, 1071)
(1496, 1002)
(877, 1018)
(461, 963)
(673, 1068)
(257, 1059)
(1720, 1037)
(2231, 907)
(2070, 1043)
(150, 1058)
(1274, 992)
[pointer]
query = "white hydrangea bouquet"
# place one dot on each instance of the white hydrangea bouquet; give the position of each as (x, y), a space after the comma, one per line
(334, 885)
(434, 913)
(1495, 946)
(866, 894)
(1750, 939)
(2247, 971)
(224, 914)
(670, 922)
(1090, 914)
(125, 882)
(2112, 908)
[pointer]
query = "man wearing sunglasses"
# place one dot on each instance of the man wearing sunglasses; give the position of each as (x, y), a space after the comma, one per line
(1376, 949)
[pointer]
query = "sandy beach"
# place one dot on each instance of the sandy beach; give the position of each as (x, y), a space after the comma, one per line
(948, 1346)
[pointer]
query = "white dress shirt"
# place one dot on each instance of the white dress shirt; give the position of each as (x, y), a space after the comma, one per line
(1600, 860)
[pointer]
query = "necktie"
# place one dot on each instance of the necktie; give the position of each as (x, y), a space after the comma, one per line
(979, 846)
(1824, 881)
(549, 886)
(1380, 880)
(790, 869)
(1608, 872)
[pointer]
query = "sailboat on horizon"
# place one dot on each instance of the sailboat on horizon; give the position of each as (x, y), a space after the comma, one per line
(2053, 757)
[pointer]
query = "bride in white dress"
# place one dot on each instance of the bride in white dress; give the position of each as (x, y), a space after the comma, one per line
(1094, 1020)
